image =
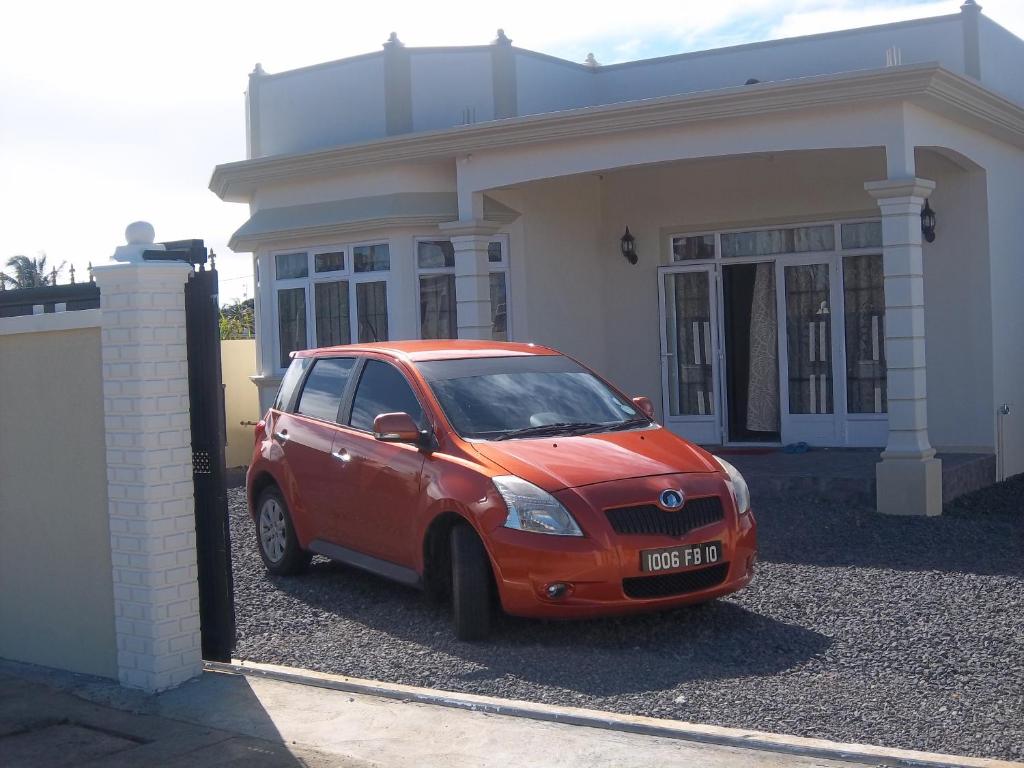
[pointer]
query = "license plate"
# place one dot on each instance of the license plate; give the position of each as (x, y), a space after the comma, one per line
(679, 558)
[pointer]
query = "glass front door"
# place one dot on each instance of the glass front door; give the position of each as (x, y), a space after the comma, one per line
(689, 353)
(808, 372)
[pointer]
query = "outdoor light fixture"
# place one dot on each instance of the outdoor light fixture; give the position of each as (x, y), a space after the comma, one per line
(628, 245)
(928, 222)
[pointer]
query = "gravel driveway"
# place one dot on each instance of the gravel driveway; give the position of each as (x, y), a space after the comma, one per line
(893, 631)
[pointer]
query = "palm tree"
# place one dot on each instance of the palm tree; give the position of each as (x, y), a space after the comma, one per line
(29, 273)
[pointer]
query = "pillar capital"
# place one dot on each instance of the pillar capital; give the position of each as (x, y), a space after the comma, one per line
(896, 189)
(470, 227)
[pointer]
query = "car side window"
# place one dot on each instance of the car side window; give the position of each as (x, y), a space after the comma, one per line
(292, 377)
(383, 389)
(325, 387)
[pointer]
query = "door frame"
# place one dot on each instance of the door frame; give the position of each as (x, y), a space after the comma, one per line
(714, 424)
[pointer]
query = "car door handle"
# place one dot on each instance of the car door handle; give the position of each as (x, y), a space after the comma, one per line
(282, 435)
(343, 456)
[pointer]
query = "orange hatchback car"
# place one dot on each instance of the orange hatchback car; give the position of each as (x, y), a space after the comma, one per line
(493, 474)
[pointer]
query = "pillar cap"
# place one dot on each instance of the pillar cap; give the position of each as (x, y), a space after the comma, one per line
(470, 227)
(895, 188)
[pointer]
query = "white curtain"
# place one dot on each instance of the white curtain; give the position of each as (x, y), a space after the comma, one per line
(763, 391)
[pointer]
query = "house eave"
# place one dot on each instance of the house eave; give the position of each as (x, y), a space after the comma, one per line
(928, 85)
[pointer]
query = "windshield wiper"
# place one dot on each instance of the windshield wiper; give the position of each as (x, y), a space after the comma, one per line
(630, 424)
(559, 428)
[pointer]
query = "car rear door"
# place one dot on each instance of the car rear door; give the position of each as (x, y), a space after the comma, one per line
(386, 477)
(307, 437)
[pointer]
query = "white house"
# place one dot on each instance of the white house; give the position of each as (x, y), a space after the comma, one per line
(782, 290)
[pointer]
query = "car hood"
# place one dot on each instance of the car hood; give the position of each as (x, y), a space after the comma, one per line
(555, 463)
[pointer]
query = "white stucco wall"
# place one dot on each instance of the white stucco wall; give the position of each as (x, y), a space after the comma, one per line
(925, 40)
(445, 83)
(1002, 59)
(322, 106)
(549, 85)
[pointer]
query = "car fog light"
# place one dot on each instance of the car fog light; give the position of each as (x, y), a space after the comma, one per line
(557, 590)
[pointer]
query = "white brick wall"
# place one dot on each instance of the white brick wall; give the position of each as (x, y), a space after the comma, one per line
(149, 473)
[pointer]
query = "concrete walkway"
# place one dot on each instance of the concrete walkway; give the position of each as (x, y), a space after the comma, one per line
(262, 719)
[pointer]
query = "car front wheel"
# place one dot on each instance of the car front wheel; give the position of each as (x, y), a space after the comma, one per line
(471, 585)
(275, 534)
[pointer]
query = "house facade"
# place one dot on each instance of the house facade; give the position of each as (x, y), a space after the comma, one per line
(786, 286)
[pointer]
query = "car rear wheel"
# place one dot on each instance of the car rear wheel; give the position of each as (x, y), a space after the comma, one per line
(275, 535)
(471, 585)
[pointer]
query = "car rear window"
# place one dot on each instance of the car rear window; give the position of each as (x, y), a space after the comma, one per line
(292, 377)
(383, 389)
(324, 388)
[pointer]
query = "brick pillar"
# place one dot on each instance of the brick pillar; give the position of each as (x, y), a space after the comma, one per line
(149, 472)
(909, 477)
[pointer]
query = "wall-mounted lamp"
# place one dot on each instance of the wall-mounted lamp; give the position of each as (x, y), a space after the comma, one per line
(628, 246)
(928, 222)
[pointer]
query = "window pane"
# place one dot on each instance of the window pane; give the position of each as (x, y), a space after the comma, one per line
(330, 305)
(291, 265)
(688, 331)
(809, 334)
(325, 385)
(866, 234)
(494, 252)
(437, 307)
(372, 258)
(499, 307)
(382, 389)
(329, 262)
(697, 247)
(435, 254)
(290, 381)
(372, 311)
(291, 321)
(766, 242)
(866, 390)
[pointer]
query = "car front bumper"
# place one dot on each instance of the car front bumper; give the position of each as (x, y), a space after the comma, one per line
(595, 566)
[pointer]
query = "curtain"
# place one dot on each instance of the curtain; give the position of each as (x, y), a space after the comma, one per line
(330, 303)
(291, 321)
(866, 389)
(763, 391)
(372, 311)
(499, 306)
(438, 318)
(809, 333)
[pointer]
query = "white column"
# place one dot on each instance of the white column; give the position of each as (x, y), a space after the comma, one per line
(472, 276)
(909, 477)
(149, 472)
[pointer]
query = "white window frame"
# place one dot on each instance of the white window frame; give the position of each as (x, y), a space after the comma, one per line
(492, 268)
(312, 278)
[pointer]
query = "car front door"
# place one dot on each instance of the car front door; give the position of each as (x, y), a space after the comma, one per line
(385, 477)
(307, 437)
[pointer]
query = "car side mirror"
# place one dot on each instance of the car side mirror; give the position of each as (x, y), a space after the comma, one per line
(396, 428)
(645, 406)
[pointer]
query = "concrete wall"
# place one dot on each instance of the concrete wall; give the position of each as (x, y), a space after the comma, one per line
(1002, 59)
(321, 106)
(241, 403)
(56, 600)
(444, 84)
(548, 85)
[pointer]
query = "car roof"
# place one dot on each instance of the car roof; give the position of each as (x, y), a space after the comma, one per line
(446, 349)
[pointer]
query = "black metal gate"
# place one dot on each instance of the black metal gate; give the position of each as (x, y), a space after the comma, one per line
(209, 436)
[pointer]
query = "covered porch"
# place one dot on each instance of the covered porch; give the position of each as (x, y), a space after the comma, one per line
(779, 252)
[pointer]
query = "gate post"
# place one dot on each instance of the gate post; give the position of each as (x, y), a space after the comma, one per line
(149, 472)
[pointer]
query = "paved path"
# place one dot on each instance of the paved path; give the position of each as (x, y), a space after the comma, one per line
(48, 720)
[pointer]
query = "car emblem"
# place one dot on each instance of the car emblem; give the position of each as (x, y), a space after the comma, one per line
(672, 499)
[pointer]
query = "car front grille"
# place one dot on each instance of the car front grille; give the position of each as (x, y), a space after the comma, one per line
(651, 519)
(667, 584)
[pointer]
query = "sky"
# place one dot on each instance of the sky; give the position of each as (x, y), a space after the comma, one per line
(112, 112)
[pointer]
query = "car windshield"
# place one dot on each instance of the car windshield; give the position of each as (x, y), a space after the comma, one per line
(499, 398)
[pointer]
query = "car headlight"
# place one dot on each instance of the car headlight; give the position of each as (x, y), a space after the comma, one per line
(738, 486)
(533, 509)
